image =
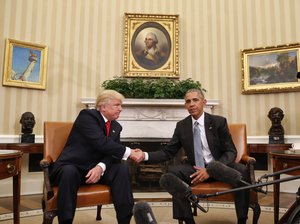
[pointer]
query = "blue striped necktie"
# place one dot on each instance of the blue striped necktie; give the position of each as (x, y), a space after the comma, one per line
(198, 148)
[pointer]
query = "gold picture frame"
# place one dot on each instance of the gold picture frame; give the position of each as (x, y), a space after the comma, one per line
(25, 65)
(270, 69)
(160, 61)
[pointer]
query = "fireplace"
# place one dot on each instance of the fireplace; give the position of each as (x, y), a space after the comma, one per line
(145, 177)
(149, 124)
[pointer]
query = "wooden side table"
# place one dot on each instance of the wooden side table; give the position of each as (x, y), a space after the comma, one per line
(260, 152)
(10, 166)
(266, 148)
(283, 160)
(24, 147)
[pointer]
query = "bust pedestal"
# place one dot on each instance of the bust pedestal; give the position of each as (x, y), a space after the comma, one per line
(276, 139)
(27, 138)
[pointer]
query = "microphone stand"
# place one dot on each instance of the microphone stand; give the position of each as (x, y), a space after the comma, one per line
(195, 201)
(258, 184)
(280, 172)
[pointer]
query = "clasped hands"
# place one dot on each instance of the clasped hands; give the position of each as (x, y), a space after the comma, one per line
(137, 155)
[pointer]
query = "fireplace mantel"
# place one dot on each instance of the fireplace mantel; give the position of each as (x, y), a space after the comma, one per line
(150, 118)
(90, 102)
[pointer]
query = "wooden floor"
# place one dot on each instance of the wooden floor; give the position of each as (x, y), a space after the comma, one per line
(33, 202)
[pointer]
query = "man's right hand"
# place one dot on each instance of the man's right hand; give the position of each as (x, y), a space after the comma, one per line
(137, 155)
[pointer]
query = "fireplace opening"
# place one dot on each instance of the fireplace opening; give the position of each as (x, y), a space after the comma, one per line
(145, 177)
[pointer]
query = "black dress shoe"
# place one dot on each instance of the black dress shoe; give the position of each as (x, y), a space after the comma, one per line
(125, 220)
(189, 221)
(68, 221)
(242, 221)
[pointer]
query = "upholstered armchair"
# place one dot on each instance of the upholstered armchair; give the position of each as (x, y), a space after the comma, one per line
(55, 137)
(239, 136)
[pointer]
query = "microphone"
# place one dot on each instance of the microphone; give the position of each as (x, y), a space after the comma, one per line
(143, 214)
(226, 174)
(179, 189)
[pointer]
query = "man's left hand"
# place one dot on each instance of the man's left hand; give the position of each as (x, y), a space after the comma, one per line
(94, 175)
(199, 176)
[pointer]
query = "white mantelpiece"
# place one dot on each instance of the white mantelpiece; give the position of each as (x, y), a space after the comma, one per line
(151, 118)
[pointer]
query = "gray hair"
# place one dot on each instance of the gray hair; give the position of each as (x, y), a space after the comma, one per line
(153, 36)
(199, 91)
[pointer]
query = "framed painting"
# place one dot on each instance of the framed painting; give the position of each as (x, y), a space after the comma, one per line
(151, 46)
(270, 69)
(25, 65)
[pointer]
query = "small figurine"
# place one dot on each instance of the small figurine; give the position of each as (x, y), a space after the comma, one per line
(276, 131)
(27, 121)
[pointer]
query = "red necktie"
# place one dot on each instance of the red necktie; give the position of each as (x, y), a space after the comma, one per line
(107, 124)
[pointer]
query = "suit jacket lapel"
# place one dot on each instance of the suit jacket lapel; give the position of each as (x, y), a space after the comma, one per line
(187, 129)
(189, 132)
(113, 131)
(209, 129)
(102, 122)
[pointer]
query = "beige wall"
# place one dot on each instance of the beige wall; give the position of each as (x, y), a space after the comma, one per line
(85, 40)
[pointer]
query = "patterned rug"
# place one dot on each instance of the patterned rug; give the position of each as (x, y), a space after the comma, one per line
(217, 213)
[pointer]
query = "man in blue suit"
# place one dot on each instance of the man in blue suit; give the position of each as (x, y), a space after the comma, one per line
(93, 154)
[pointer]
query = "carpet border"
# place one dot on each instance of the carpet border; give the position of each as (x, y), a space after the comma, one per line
(36, 212)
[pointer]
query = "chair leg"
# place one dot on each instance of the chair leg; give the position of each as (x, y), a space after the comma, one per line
(43, 205)
(48, 217)
(256, 212)
(180, 221)
(98, 217)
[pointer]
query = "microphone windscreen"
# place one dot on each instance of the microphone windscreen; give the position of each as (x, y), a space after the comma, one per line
(223, 173)
(180, 189)
(143, 214)
(175, 186)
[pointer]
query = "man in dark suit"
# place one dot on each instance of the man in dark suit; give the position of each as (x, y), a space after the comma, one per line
(216, 144)
(93, 154)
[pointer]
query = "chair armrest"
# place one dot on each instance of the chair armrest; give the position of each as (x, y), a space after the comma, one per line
(249, 162)
(48, 191)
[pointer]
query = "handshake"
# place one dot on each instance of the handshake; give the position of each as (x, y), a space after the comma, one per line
(137, 155)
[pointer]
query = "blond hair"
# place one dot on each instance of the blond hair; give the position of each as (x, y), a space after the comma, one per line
(105, 96)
